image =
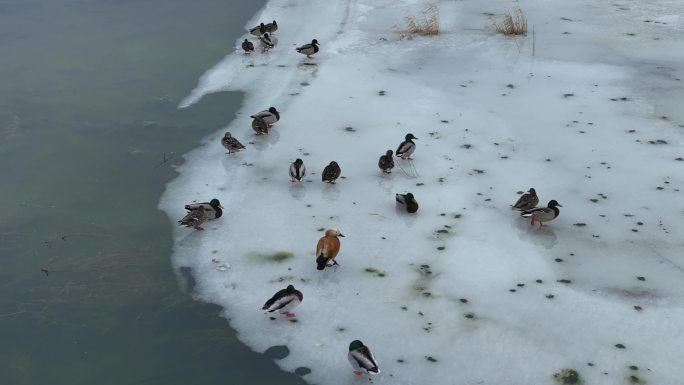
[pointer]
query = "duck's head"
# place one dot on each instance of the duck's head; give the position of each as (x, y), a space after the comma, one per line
(333, 163)
(410, 136)
(314, 41)
(215, 203)
(227, 135)
(389, 153)
(274, 22)
(290, 289)
(532, 191)
(299, 162)
(553, 203)
(266, 33)
(273, 110)
(333, 232)
(410, 197)
(355, 345)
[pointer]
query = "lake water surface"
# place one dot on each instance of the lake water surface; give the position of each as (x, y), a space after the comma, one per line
(89, 135)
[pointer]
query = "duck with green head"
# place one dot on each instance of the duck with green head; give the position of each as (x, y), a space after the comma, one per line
(361, 359)
(283, 301)
(198, 213)
(407, 202)
(542, 214)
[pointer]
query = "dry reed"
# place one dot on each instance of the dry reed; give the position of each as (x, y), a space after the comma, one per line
(427, 25)
(513, 23)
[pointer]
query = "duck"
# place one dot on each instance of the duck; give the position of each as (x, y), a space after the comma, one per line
(327, 248)
(269, 116)
(331, 172)
(195, 218)
(407, 201)
(542, 214)
(267, 41)
(259, 126)
(308, 49)
(271, 27)
(386, 162)
(283, 301)
(198, 213)
(527, 201)
(361, 359)
(258, 30)
(248, 46)
(231, 144)
(297, 170)
(407, 147)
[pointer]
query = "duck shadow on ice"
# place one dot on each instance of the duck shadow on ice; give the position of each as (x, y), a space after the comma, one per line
(297, 190)
(262, 142)
(409, 219)
(545, 236)
(386, 183)
(307, 64)
(331, 192)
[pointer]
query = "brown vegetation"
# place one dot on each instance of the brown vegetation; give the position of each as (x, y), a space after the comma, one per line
(512, 23)
(427, 25)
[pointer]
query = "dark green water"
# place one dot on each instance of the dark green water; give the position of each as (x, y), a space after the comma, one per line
(88, 95)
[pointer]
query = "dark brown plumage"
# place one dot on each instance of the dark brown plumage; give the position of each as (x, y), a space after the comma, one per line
(527, 201)
(386, 162)
(248, 46)
(331, 172)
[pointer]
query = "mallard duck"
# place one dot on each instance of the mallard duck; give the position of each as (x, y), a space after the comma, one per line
(231, 144)
(198, 213)
(542, 214)
(259, 126)
(327, 248)
(527, 201)
(297, 170)
(386, 162)
(331, 172)
(283, 301)
(269, 116)
(258, 30)
(248, 46)
(408, 202)
(271, 27)
(267, 41)
(407, 147)
(308, 49)
(361, 359)
(195, 218)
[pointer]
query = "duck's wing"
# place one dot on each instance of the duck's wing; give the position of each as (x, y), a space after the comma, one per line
(364, 359)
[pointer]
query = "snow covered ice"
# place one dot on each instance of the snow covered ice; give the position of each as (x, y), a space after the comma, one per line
(464, 291)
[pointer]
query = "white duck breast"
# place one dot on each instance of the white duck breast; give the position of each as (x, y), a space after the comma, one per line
(362, 359)
(268, 41)
(406, 148)
(297, 170)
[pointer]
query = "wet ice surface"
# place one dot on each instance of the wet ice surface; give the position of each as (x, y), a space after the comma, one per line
(464, 291)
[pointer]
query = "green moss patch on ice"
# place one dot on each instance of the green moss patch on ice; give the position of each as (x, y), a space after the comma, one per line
(278, 256)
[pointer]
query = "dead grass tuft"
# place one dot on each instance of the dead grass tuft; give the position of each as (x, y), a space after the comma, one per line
(427, 24)
(513, 23)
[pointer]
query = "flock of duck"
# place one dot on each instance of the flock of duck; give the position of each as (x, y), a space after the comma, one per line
(328, 246)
